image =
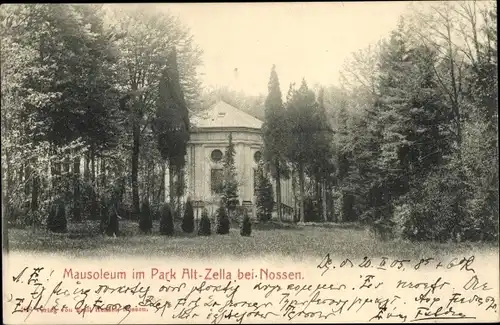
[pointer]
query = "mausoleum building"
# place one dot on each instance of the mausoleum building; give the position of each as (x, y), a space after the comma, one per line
(209, 138)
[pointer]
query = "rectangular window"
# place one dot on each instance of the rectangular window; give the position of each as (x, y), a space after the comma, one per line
(216, 180)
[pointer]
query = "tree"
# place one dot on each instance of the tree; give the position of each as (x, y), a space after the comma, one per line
(265, 198)
(167, 220)
(65, 61)
(321, 169)
(172, 123)
(359, 73)
(230, 184)
(150, 39)
(461, 36)
(308, 128)
(222, 221)
(205, 228)
(275, 133)
(163, 123)
(188, 220)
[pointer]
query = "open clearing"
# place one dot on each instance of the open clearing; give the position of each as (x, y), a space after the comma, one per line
(294, 241)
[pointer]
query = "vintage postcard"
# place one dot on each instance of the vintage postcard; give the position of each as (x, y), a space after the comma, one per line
(207, 163)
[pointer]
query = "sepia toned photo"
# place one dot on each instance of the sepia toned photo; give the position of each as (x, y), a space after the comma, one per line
(250, 162)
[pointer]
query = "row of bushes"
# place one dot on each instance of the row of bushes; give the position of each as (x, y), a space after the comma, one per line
(188, 223)
(109, 225)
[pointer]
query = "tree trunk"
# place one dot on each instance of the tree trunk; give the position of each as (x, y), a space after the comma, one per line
(135, 168)
(66, 178)
(86, 169)
(103, 175)
(323, 200)
(7, 172)
(301, 189)
(94, 168)
(294, 191)
(148, 180)
(97, 178)
(171, 192)
(21, 180)
(27, 187)
(93, 199)
(53, 178)
(34, 193)
(5, 229)
(331, 205)
(77, 214)
(318, 204)
(179, 188)
(278, 191)
(153, 182)
(66, 164)
(161, 193)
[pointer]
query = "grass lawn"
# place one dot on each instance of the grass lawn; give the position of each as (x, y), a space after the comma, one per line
(293, 241)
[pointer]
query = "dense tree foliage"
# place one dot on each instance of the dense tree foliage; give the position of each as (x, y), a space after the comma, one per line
(310, 150)
(79, 94)
(409, 153)
(95, 107)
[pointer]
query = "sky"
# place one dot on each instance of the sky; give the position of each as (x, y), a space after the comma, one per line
(241, 41)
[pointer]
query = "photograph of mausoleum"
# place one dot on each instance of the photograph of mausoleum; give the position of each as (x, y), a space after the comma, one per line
(203, 172)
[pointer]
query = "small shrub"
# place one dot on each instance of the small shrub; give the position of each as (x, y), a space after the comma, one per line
(76, 211)
(205, 226)
(246, 226)
(166, 220)
(145, 222)
(112, 222)
(384, 228)
(188, 220)
(104, 217)
(265, 196)
(156, 210)
(34, 218)
(56, 221)
(222, 221)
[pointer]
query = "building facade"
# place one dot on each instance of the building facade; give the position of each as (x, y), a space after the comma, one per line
(208, 141)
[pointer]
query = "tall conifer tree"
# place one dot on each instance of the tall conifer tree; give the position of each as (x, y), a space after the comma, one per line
(171, 124)
(275, 135)
(230, 184)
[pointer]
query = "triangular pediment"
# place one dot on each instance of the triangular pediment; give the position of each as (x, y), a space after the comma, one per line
(224, 115)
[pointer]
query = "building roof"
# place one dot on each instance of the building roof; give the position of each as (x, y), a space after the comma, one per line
(223, 115)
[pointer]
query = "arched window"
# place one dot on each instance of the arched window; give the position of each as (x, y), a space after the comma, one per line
(256, 156)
